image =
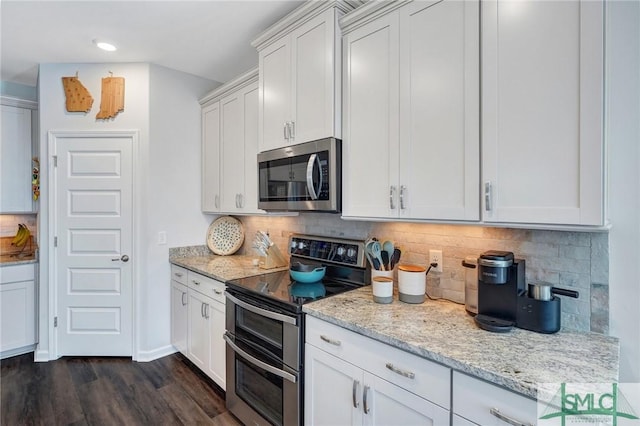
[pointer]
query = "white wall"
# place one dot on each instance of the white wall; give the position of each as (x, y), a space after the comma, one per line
(172, 191)
(162, 106)
(622, 132)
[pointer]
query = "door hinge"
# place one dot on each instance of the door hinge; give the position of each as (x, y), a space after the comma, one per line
(55, 241)
(55, 321)
(55, 161)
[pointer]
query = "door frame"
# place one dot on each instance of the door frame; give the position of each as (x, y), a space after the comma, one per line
(53, 136)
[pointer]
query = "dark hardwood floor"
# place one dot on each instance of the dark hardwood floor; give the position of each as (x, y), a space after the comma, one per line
(109, 391)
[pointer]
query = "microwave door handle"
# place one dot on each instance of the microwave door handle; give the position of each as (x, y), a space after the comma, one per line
(259, 311)
(255, 361)
(313, 159)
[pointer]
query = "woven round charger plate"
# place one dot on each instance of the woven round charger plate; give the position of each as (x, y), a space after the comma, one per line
(225, 235)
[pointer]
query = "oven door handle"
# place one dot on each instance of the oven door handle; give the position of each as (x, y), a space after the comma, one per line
(255, 361)
(265, 313)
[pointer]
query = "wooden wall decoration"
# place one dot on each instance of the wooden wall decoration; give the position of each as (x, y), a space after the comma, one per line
(78, 98)
(112, 100)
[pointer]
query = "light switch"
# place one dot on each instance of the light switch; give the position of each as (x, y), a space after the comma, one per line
(162, 238)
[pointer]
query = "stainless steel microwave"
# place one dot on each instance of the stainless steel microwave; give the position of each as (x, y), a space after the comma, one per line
(303, 177)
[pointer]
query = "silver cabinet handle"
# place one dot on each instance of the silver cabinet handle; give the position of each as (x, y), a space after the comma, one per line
(265, 313)
(206, 311)
(280, 373)
(184, 302)
(179, 274)
(292, 129)
(313, 160)
(403, 189)
(404, 373)
(217, 201)
(202, 310)
(216, 291)
(124, 259)
(195, 282)
(240, 201)
(392, 196)
(330, 340)
(487, 196)
(364, 400)
(354, 390)
(510, 420)
(237, 201)
(285, 128)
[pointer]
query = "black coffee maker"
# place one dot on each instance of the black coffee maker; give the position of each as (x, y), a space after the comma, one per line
(501, 281)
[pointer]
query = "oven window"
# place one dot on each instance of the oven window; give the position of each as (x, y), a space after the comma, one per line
(260, 389)
(262, 331)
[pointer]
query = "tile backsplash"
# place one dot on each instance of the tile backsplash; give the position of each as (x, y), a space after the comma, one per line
(9, 223)
(574, 260)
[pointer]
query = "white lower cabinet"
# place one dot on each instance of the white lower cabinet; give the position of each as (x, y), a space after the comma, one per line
(479, 402)
(17, 309)
(198, 321)
(353, 380)
(179, 315)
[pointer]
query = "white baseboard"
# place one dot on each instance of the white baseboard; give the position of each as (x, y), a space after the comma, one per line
(41, 356)
(146, 356)
(17, 351)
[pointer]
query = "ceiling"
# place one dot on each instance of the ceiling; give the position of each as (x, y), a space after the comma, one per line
(207, 38)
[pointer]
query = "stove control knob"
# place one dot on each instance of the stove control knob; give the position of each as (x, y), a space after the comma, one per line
(351, 252)
(341, 251)
(301, 245)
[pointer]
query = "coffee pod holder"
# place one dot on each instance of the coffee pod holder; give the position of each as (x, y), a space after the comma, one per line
(273, 259)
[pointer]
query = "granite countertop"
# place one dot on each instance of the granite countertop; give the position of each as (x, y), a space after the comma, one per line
(222, 268)
(11, 261)
(442, 331)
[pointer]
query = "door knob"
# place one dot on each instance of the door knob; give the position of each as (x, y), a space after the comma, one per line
(124, 258)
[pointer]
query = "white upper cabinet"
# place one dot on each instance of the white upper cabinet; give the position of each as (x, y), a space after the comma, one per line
(230, 147)
(300, 60)
(211, 158)
(411, 100)
(542, 112)
(15, 156)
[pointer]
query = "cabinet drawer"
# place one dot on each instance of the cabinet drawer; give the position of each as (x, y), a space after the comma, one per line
(17, 273)
(179, 274)
(207, 286)
(474, 399)
(425, 378)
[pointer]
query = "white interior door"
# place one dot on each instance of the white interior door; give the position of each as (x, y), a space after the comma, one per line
(93, 197)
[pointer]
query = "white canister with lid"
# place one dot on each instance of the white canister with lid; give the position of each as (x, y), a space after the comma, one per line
(412, 281)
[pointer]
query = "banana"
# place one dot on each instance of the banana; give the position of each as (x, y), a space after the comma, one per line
(22, 236)
(19, 235)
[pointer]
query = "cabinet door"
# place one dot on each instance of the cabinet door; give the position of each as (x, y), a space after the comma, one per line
(179, 315)
(439, 110)
(387, 404)
(217, 349)
(275, 94)
(232, 152)
(211, 158)
(17, 308)
(313, 78)
(332, 390)
(198, 339)
(249, 200)
(15, 160)
(370, 147)
(542, 79)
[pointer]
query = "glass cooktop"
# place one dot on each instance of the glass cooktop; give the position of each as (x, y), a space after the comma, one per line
(279, 288)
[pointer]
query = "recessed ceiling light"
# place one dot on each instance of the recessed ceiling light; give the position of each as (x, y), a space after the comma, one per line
(105, 46)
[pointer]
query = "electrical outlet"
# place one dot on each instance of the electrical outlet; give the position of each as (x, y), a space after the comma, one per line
(435, 256)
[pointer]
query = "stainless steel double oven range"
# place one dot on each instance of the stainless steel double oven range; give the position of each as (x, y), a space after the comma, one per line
(265, 329)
